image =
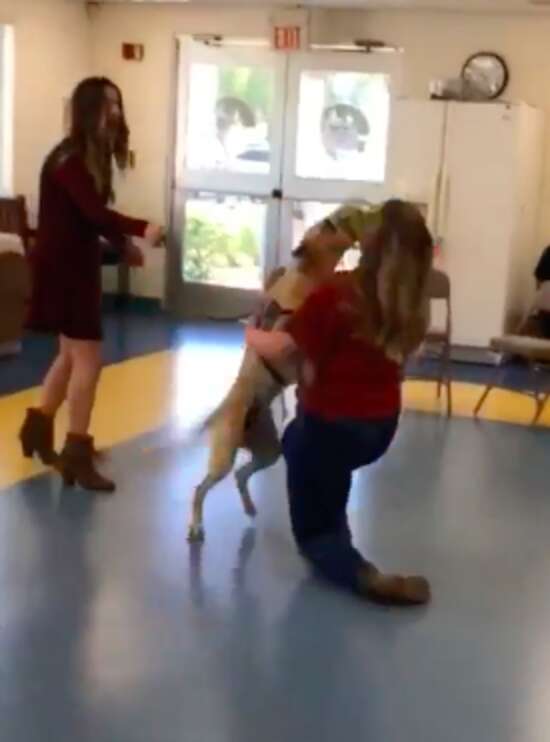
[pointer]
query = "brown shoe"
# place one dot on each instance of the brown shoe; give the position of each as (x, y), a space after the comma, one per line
(393, 589)
(76, 465)
(36, 436)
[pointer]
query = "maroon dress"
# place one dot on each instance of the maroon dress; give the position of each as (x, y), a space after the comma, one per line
(66, 261)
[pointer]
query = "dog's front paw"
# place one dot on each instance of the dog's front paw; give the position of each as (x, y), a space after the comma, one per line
(195, 534)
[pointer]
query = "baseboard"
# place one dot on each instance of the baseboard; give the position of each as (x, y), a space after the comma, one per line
(10, 348)
(141, 304)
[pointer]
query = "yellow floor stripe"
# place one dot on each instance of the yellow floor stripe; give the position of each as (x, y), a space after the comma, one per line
(502, 405)
(134, 397)
(143, 394)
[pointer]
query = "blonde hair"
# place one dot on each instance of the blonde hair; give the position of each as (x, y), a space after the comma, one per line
(393, 275)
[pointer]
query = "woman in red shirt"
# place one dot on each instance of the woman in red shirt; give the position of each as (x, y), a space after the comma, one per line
(353, 335)
(75, 188)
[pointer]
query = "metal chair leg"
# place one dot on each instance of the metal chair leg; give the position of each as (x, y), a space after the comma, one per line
(488, 389)
(538, 396)
(449, 398)
(441, 373)
(446, 376)
(493, 384)
(540, 402)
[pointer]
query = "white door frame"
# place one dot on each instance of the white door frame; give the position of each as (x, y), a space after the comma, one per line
(280, 187)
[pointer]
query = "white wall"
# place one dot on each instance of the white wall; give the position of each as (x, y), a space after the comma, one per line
(436, 44)
(52, 53)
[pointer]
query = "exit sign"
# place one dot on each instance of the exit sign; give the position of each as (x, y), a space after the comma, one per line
(286, 38)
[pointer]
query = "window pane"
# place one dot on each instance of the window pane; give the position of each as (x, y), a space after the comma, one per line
(228, 119)
(223, 241)
(343, 120)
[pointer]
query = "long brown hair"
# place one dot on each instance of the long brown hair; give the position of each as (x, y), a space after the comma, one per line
(87, 108)
(392, 275)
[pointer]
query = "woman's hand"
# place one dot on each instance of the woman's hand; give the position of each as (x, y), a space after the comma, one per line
(154, 234)
(133, 255)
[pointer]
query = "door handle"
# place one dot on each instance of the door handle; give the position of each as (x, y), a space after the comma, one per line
(277, 193)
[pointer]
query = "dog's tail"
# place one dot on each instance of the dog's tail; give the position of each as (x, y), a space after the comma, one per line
(201, 427)
(184, 439)
(172, 438)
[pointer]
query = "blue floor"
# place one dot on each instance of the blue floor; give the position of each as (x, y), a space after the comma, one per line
(129, 331)
(140, 328)
(112, 629)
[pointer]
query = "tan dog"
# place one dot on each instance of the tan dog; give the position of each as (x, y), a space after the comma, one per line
(244, 418)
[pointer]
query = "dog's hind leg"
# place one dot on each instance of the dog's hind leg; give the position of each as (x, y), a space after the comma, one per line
(242, 476)
(262, 440)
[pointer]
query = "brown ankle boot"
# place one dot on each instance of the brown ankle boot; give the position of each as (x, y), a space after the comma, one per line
(76, 465)
(36, 436)
(393, 589)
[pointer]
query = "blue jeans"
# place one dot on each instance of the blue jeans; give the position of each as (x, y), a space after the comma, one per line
(320, 457)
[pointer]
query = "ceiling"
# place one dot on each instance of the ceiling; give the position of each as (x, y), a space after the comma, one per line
(496, 6)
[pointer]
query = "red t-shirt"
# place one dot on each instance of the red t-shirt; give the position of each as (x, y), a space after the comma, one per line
(353, 378)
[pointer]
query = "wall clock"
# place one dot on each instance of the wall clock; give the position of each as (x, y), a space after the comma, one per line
(488, 73)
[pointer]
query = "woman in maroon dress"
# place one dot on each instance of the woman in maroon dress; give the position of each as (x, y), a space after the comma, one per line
(75, 188)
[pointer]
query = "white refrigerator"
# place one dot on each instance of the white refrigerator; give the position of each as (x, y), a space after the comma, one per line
(477, 170)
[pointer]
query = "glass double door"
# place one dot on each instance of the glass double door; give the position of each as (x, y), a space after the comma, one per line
(267, 143)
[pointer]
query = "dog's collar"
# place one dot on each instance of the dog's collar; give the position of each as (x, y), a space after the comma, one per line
(269, 314)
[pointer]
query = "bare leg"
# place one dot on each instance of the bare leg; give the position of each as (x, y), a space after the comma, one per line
(85, 372)
(54, 387)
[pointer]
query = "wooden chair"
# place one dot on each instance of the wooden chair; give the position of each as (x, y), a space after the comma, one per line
(438, 337)
(14, 219)
(14, 274)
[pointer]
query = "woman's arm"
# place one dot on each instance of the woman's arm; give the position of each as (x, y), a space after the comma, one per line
(311, 331)
(273, 345)
(79, 184)
(277, 346)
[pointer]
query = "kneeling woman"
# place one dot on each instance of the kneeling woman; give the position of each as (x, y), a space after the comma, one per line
(353, 335)
(75, 188)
